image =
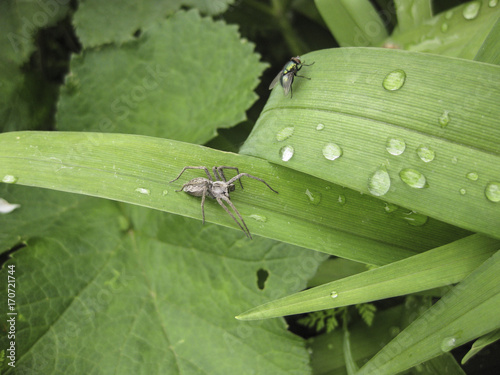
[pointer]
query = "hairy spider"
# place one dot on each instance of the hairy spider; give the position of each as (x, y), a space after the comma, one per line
(218, 189)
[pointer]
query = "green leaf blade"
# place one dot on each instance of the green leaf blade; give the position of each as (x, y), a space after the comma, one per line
(348, 102)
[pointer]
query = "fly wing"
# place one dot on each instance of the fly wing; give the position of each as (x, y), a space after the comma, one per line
(275, 80)
(286, 82)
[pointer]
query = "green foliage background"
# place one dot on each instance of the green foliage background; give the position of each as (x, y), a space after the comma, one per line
(133, 283)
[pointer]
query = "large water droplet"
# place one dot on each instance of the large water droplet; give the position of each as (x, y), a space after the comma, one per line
(473, 176)
(394, 80)
(320, 127)
(314, 196)
(9, 179)
(284, 133)
(426, 154)
(471, 10)
(259, 218)
(286, 153)
(444, 119)
(395, 146)
(143, 191)
(415, 219)
(334, 294)
(379, 183)
(332, 151)
(448, 343)
(492, 191)
(492, 3)
(413, 178)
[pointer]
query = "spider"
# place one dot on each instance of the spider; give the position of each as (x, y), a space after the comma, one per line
(218, 189)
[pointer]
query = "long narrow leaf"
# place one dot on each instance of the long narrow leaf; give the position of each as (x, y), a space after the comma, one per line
(468, 311)
(136, 169)
(420, 131)
(442, 266)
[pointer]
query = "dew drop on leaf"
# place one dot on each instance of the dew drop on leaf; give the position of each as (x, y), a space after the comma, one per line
(413, 178)
(448, 343)
(444, 119)
(320, 127)
(332, 151)
(426, 154)
(394, 80)
(492, 192)
(9, 179)
(285, 133)
(143, 191)
(395, 146)
(379, 183)
(286, 153)
(473, 176)
(471, 10)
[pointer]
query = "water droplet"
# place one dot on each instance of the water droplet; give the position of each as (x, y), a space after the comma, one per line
(379, 183)
(448, 343)
(314, 196)
(473, 176)
(395, 146)
(415, 219)
(454, 160)
(341, 199)
(425, 154)
(492, 191)
(331, 151)
(492, 3)
(448, 15)
(444, 27)
(444, 119)
(320, 127)
(259, 218)
(389, 207)
(394, 80)
(471, 10)
(164, 192)
(143, 191)
(9, 179)
(285, 133)
(334, 294)
(463, 191)
(413, 178)
(286, 153)
(6, 207)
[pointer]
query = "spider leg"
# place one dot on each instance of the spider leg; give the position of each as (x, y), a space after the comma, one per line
(203, 205)
(221, 171)
(240, 175)
(183, 169)
(245, 230)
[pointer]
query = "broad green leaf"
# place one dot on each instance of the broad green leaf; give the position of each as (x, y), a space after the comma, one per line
(110, 288)
(442, 266)
(211, 7)
(445, 117)
(468, 311)
(481, 343)
(99, 23)
(412, 13)
(136, 169)
(183, 78)
(458, 32)
(352, 22)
